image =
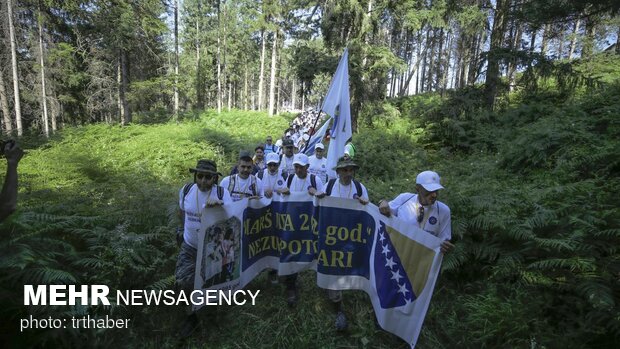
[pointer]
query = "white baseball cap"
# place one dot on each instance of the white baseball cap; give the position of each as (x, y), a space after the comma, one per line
(429, 180)
(273, 158)
(300, 159)
(319, 145)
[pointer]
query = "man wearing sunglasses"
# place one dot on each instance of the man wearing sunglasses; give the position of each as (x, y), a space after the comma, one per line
(423, 210)
(270, 147)
(193, 199)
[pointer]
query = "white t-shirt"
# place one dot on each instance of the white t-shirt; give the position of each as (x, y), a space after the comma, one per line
(286, 165)
(318, 167)
(436, 216)
(273, 182)
(195, 201)
(301, 185)
(243, 187)
(347, 191)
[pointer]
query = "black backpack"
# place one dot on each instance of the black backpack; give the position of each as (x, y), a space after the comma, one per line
(312, 181)
(332, 182)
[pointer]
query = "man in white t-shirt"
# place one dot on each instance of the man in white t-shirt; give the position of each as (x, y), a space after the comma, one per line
(286, 160)
(272, 177)
(193, 199)
(423, 210)
(299, 182)
(270, 147)
(243, 183)
(318, 162)
(345, 186)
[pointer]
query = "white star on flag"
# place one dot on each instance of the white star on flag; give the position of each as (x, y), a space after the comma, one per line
(386, 250)
(403, 289)
(390, 263)
(396, 276)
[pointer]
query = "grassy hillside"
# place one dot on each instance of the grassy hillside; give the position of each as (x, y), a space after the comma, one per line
(533, 189)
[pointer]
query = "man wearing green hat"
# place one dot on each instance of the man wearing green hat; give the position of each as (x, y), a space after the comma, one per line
(193, 199)
(347, 188)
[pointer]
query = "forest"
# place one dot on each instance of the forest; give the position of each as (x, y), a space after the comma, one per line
(515, 103)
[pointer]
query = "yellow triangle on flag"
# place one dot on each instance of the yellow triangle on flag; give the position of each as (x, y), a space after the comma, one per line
(415, 258)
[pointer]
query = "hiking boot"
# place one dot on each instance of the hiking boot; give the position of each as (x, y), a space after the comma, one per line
(189, 326)
(341, 321)
(291, 297)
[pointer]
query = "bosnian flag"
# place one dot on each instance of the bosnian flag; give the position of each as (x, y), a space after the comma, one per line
(337, 105)
(405, 270)
(316, 138)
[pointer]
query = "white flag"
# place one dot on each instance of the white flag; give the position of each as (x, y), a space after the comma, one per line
(337, 105)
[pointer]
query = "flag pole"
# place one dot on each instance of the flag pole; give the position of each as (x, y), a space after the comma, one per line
(313, 128)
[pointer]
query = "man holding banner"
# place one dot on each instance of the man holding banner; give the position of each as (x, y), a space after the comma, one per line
(423, 210)
(299, 182)
(193, 199)
(347, 188)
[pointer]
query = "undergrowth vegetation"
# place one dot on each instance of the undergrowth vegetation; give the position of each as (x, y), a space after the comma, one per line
(533, 187)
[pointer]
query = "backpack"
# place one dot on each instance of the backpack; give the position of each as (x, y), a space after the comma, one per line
(330, 187)
(233, 180)
(187, 187)
(312, 181)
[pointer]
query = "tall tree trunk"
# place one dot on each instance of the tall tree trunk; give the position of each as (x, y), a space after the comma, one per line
(4, 104)
(219, 63)
(124, 88)
(618, 41)
(230, 92)
(274, 60)
(176, 60)
(199, 83)
(293, 94)
(261, 79)
(44, 120)
(17, 104)
(573, 39)
(422, 81)
(446, 73)
(245, 88)
(431, 65)
(497, 35)
(514, 46)
(439, 64)
(54, 106)
(545, 39)
(303, 97)
(119, 82)
(588, 42)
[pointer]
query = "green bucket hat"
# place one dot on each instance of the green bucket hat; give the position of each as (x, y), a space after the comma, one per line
(344, 163)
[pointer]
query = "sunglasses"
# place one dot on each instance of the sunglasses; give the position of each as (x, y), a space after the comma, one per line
(272, 164)
(206, 176)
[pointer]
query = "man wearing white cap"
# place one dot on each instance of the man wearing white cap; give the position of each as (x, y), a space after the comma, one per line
(423, 209)
(272, 177)
(318, 163)
(300, 182)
